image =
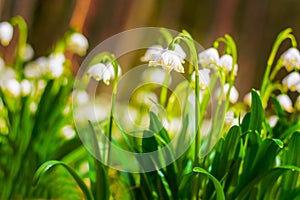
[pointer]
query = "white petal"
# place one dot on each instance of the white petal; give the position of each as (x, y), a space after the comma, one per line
(209, 57)
(25, 87)
(179, 51)
(12, 86)
(78, 44)
(291, 59)
(6, 33)
(96, 71)
(291, 81)
(273, 120)
(248, 99)
(226, 62)
(285, 102)
(152, 53)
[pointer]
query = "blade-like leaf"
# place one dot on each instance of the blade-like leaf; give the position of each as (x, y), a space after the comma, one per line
(40, 172)
(257, 113)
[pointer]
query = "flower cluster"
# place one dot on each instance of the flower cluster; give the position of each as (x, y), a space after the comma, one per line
(166, 58)
(103, 72)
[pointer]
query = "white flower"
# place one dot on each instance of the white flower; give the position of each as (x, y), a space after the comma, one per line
(285, 102)
(55, 65)
(298, 87)
(291, 81)
(169, 60)
(234, 94)
(179, 51)
(6, 33)
(152, 53)
(273, 120)
(155, 75)
(68, 131)
(81, 97)
(103, 72)
(297, 103)
(291, 59)
(226, 62)
(12, 87)
(6, 74)
(204, 78)
(230, 119)
(209, 57)
(25, 87)
(78, 44)
(27, 52)
(248, 99)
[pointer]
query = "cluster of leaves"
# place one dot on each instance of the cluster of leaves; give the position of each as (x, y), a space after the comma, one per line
(31, 126)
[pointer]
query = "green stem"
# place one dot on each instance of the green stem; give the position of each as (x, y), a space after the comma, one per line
(285, 34)
(21, 46)
(113, 102)
(164, 90)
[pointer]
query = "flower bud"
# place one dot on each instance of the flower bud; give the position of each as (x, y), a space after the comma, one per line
(6, 33)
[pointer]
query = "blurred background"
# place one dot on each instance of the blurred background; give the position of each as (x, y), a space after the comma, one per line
(254, 24)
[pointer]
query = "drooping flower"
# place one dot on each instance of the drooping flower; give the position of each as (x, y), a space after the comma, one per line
(273, 120)
(204, 78)
(78, 44)
(291, 81)
(233, 96)
(285, 102)
(209, 57)
(226, 62)
(248, 99)
(6, 33)
(291, 59)
(152, 53)
(55, 65)
(27, 52)
(11, 87)
(25, 87)
(168, 60)
(103, 72)
(2, 64)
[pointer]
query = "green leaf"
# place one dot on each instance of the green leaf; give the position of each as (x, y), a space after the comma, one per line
(217, 184)
(257, 113)
(101, 186)
(274, 173)
(40, 172)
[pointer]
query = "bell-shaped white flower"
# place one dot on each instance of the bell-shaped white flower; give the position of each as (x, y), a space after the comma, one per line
(6, 33)
(209, 57)
(25, 87)
(248, 99)
(12, 87)
(78, 44)
(226, 62)
(291, 59)
(27, 52)
(56, 65)
(179, 51)
(103, 72)
(285, 102)
(204, 78)
(273, 120)
(233, 96)
(297, 103)
(153, 53)
(291, 81)
(169, 60)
